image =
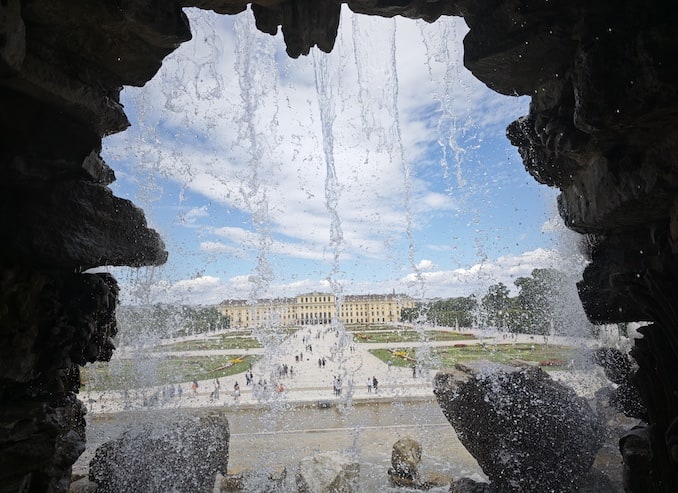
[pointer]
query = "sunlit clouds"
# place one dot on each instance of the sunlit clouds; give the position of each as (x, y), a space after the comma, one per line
(227, 156)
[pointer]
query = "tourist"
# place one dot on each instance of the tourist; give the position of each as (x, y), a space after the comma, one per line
(375, 384)
(236, 392)
(369, 385)
(194, 387)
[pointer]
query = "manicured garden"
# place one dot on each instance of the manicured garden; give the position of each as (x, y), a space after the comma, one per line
(410, 335)
(551, 356)
(241, 340)
(152, 371)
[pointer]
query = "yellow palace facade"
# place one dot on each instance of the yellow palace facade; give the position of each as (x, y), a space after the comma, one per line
(316, 309)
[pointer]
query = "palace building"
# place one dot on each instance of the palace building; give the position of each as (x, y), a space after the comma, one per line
(316, 309)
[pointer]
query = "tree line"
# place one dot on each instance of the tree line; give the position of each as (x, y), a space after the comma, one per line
(536, 309)
(162, 321)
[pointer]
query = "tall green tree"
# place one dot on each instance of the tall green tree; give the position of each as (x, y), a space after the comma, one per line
(158, 321)
(536, 296)
(495, 305)
(453, 311)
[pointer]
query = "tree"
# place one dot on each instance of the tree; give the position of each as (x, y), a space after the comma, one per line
(495, 305)
(159, 321)
(411, 314)
(536, 296)
(453, 311)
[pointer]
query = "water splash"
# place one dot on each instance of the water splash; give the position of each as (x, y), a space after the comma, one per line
(253, 63)
(326, 83)
(442, 48)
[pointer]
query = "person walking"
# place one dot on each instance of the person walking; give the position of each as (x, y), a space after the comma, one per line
(236, 392)
(375, 384)
(369, 385)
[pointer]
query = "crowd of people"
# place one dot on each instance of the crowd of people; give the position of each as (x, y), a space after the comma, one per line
(260, 388)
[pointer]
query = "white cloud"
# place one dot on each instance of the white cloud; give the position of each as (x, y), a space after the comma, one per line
(194, 214)
(219, 247)
(474, 279)
(232, 120)
(264, 154)
(198, 284)
(425, 265)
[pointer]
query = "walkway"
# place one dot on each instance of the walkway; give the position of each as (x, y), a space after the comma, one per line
(306, 380)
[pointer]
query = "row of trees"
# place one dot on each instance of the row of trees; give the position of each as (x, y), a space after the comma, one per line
(160, 321)
(535, 310)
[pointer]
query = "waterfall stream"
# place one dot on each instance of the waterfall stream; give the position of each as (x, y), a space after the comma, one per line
(357, 172)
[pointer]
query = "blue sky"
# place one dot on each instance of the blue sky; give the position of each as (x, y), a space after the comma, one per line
(232, 144)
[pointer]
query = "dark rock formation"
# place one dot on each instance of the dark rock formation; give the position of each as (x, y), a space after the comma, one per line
(603, 83)
(620, 370)
(527, 432)
(83, 485)
(52, 322)
(182, 455)
(603, 78)
(467, 485)
(637, 454)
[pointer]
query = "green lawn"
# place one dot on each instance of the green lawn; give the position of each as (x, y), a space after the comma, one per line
(128, 373)
(410, 336)
(239, 339)
(553, 357)
(222, 342)
(367, 327)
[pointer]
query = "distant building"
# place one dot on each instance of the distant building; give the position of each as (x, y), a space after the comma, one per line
(316, 309)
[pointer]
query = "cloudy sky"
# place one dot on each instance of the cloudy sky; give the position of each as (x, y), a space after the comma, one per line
(382, 166)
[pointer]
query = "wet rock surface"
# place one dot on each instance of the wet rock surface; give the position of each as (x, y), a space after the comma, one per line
(405, 467)
(527, 432)
(601, 128)
(329, 472)
(467, 485)
(405, 459)
(183, 456)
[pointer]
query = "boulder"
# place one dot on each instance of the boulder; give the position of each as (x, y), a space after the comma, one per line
(329, 472)
(405, 458)
(528, 432)
(183, 455)
(261, 480)
(83, 485)
(468, 485)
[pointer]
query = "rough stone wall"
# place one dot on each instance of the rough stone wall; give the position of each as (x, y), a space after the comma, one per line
(601, 127)
(62, 65)
(603, 81)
